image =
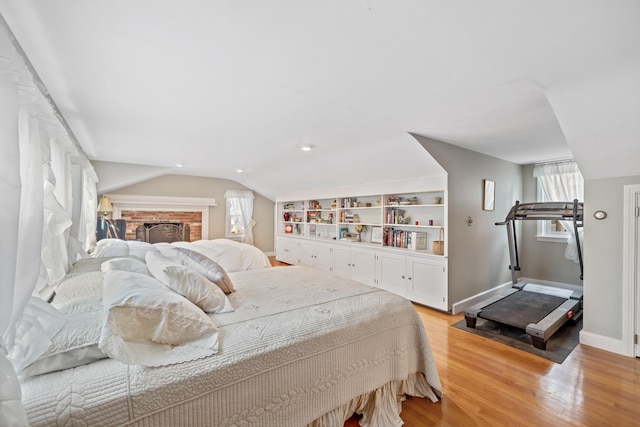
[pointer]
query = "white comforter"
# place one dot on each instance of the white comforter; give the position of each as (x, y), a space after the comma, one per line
(231, 255)
(301, 345)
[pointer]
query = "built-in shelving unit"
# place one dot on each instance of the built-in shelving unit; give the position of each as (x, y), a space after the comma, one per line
(385, 240)
(410, 221)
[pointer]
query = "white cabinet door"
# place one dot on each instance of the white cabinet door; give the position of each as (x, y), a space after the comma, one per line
(288, 250)
(317, 255)
(342, 261)
(427, 281)
(363, 262)
(391, 270)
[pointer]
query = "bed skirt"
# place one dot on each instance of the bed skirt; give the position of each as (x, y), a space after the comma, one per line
(381, 407)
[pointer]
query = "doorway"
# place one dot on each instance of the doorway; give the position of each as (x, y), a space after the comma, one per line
(630, 269)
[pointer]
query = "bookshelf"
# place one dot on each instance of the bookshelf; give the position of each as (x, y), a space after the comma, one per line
(383, 240)
(407, 221)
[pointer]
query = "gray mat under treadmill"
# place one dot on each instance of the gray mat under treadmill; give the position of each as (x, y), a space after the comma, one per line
(521, 308)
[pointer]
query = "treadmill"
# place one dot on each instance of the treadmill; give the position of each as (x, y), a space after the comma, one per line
(539, 310)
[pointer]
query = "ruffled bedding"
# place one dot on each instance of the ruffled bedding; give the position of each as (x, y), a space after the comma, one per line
(301, 347)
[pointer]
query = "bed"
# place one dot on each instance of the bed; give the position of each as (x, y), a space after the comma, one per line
(300, 347)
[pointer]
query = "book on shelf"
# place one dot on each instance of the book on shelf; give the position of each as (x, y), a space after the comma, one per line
(415, 240)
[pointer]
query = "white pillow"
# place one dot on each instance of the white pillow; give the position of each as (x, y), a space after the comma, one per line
(86, 265)
(78, 286)
(139, 249)
(167, 250)
(207, 267)
(76, 343)
(110, 248)
(147, 323)
(189, 283)
(125, 264)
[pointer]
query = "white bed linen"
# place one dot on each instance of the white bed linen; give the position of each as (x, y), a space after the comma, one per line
(302, 345)
(231, 255)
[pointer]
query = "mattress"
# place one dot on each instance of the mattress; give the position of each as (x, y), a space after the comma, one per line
(302, 347)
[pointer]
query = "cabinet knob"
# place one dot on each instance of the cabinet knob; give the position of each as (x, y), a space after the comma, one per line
(409, 278)
(403, 277)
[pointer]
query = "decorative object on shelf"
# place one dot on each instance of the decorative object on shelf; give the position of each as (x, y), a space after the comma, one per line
(286, 216)
(344, 233)
(359, 229)
(436, 200)
(393, 200)
(489, 196)
(314, 216)
(404, 219)
(288, 229)
(376, 234)
(334, 204)
(356, 218)
(438, 245)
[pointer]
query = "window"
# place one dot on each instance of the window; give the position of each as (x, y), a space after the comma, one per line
(559, 182)
(239, 224)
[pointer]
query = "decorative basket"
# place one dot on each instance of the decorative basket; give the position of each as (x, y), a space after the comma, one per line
(438, 245)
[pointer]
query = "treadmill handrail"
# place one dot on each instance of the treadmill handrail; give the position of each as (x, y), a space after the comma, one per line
(542, 211)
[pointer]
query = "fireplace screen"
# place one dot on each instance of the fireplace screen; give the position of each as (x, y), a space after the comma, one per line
(156, 232)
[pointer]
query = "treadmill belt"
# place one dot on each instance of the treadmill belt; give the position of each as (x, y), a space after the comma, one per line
(521, 308)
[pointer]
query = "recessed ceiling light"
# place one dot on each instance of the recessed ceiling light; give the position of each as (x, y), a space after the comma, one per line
(306, 147)
(179, 165)
(239, 170)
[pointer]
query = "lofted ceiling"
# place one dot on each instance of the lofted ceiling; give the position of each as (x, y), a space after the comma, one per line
(222, 85)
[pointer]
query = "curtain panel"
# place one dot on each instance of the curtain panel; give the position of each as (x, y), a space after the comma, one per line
(240, 203)
(562, 182)
(37, 189)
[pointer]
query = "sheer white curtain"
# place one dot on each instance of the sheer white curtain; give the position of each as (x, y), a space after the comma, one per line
(12, 300)
(34, 221)
(240, 202)
(89, 207)
(562, 182)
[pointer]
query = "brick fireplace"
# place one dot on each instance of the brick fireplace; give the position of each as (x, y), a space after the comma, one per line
(191, 212)
(137, 218)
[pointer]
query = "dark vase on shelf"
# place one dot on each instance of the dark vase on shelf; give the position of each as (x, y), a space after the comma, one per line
(286, 216)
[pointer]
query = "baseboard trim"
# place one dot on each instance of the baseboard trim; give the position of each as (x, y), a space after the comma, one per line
(603, 343)
(459, 306)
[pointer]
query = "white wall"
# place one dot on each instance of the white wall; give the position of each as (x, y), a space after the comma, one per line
(478, 254)
(603, 261)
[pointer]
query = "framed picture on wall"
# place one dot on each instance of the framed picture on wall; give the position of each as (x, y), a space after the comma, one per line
(489, 195)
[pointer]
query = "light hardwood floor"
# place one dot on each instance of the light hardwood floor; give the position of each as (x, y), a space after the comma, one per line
(490, 384)
(486, 383)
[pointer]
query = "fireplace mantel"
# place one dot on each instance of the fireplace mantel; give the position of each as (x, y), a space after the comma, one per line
(127, 202)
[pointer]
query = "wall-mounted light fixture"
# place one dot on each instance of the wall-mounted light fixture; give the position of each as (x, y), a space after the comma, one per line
(105, 208)
(599, 214)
